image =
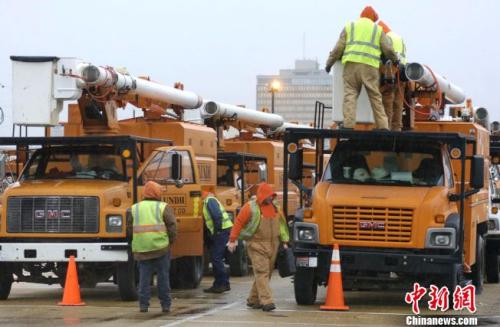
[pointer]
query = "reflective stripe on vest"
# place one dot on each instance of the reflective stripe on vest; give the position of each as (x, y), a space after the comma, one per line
(253, 224)
(398, 45)
(149, 230)
(226, 221)
(363, 43)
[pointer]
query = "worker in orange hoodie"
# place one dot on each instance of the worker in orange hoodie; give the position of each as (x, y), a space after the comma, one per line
(262, 223)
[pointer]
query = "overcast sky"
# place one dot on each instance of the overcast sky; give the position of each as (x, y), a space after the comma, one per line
(217, 47)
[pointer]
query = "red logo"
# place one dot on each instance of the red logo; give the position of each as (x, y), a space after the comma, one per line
(371, 225)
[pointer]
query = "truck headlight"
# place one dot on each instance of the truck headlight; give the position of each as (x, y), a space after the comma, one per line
(114, 224)
(492, 224)
(305, 232)
(441, 238)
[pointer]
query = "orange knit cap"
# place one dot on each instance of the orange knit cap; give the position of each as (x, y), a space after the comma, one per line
(369, 13)
(384, 26)
(152, 190)
(204, 194)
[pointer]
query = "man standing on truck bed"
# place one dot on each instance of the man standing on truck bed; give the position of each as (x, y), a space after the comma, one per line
(218, 224)
(154, 231)
(360, 46)
(262, 223)
(392, 87)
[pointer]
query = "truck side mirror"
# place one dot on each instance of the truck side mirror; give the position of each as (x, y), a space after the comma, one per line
(295, 165)
(477, 172)
(176, 172)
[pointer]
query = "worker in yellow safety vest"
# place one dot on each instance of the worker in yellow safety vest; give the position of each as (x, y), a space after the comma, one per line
(360, 46)
(392, 87)
(154, 231)
(262, 223)
(218, 225)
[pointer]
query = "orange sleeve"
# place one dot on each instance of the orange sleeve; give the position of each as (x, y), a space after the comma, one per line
(241, 220)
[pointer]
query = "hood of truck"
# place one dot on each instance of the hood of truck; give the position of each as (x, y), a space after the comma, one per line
(47, 187)
(377, 215)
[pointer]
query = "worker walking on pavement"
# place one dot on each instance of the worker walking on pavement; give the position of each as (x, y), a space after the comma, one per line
(218, 224)
(360, 46)
(154, 231)
(392, 89)
(262, 223)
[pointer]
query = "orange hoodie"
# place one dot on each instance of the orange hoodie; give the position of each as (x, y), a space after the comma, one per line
(268, 211)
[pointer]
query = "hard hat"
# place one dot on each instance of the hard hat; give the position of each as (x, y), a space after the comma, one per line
(384, 26)
(379, 173)
(361, 174)
(370, 13)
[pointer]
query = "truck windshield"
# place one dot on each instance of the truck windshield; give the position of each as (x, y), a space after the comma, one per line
(76, 163)
(394, 164)
(228, 173)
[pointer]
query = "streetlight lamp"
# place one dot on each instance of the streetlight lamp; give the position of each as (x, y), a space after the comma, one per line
(273, 88)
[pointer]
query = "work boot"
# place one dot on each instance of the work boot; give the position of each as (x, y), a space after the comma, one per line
(165, 309)
(254, 305)
(268, 307)
(143, 309)
(217, 289)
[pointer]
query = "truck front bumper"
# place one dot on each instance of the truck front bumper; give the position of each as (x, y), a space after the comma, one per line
(58, 252)
(412, 262)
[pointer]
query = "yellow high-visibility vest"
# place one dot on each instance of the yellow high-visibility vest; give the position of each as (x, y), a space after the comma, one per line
(398, 45)
(149, 230)
(363, 43)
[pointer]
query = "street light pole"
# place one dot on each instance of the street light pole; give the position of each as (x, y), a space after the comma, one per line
(273, 88)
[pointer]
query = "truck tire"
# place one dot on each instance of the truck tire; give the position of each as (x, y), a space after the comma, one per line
(5, 282)
(305, 286)
(479, 268)
(187, 272)
(127, 279)
(238, 261)
(492, 267)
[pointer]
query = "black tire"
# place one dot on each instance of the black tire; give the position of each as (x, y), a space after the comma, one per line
(127, 279)
(6, 280)
(452, 280)
(478, 273)
(238, 261)
(492, 267)
(305, 286)
(187, 272)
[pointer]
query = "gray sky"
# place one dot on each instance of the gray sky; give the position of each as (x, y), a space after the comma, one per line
(217, 47)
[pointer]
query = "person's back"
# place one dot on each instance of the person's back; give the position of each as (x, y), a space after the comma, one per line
(360, 46)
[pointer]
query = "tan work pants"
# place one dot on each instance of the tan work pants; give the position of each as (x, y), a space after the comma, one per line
(392, 98)
(355, 76)
(263, 256)
(262, 250)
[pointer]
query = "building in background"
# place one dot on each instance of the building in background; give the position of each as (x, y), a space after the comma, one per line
(300, 88)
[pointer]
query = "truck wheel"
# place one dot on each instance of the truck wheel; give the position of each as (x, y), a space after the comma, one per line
(5, 282)
(305, 286)
(127, 276)
(492, 265)
(187, 272)
(479, 268)
(238, 261)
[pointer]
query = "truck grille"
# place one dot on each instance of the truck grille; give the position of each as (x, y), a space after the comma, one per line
(67, 214)
(372, 224)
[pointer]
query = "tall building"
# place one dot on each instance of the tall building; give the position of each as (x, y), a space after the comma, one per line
(300, 88)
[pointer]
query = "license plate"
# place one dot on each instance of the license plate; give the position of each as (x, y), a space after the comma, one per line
(307, 262)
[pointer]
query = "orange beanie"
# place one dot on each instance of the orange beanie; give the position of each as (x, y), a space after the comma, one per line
(152, 190)
(369, 13)
(384, 26)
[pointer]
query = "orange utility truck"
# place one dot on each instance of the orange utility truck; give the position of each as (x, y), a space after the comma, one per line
(404, 207)
(72, 195)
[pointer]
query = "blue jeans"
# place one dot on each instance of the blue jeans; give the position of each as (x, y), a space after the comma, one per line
(217, 251)
(146, 268)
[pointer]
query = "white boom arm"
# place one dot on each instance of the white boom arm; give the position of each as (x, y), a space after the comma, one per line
(109, 77)
(229, 111)
(421, 74)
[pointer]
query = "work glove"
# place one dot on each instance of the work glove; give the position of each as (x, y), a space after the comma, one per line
(328, 69)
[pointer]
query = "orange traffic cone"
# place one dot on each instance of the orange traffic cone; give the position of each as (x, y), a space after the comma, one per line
(71, 294)
(335, 292)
